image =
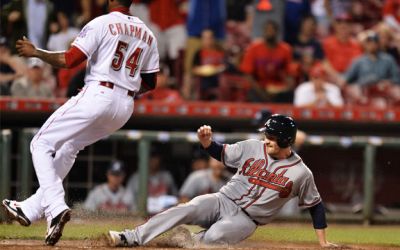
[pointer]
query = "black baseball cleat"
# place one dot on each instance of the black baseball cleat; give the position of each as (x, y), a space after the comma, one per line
(14, 212)
(54, 232)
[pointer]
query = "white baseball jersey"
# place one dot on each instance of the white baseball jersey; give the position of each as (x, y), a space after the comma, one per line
(262, 185)
(120, 47)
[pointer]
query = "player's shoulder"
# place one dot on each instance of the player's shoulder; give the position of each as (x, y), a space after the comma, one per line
(251, 142)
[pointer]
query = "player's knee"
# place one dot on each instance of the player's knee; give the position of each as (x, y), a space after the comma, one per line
(69, 149)
(215, 237)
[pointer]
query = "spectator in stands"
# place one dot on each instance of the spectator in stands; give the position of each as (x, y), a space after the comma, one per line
(307, 50)
(264, 11)
(204, 181)
(389, 42)
(199, 160)
(33, 84)
(162, 191)
(65, 34)
(163, 92)
(337, 8)
(319, 9)
(168, 25)
(365, 14)
(267, 65)
(391, 14)
(340, 49)
(374, 67)
(208, 64)
(61, 41)
(110, 196)
(318, 92)
(11, 67)
(295, 11)
(91, 9)
(202, 15)
(29, 18)
(238, 31)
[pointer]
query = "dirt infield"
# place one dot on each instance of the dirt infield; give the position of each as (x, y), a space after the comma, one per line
(102, 244)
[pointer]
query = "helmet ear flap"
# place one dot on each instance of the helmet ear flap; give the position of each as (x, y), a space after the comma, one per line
(283, 143)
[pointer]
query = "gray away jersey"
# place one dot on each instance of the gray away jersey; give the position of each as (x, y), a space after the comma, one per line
(262, 185)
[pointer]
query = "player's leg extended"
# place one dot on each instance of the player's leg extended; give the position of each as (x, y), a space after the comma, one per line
(90, 126)
(202, 210)
(230, 229)
(63, 162)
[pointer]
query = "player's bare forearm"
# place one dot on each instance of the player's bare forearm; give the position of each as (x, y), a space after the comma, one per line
(26, 48)
(56, 59)
(321, 235)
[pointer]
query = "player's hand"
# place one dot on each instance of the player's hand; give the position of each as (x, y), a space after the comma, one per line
(330, 245)
(204, 133)
(25, 48)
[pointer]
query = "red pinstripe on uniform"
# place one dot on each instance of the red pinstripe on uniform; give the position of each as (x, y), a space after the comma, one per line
(287, 166)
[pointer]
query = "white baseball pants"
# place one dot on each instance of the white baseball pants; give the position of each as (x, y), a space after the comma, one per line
(94, 113)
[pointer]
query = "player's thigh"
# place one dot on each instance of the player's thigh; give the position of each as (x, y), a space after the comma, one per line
(77, 116)
(176, 37)
(230, 230)
(203, 210)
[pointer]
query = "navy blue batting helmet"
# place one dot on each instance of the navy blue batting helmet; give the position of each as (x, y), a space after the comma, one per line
(283, 128)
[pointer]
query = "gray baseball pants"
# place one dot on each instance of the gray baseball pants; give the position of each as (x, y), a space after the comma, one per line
(224, 221)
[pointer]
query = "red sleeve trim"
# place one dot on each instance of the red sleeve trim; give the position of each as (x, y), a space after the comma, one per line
(74, 56)
(223, 155)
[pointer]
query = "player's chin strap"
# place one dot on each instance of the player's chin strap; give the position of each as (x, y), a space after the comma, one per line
(318, 216)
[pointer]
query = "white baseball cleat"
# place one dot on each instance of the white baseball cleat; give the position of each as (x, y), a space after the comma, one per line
(119, 239)
(14, 212)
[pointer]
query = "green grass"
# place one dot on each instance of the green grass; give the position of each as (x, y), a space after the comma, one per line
(343, 234)
(374, 235)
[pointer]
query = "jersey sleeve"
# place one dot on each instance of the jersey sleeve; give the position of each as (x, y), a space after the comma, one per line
(232, 154)
(308, 193)
(89, 38)
(151, 61)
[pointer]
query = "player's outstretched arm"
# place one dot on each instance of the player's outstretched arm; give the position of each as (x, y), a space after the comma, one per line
(26, 48)
(317, 213)
(60, 59)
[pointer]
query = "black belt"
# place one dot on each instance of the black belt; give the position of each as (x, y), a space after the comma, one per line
(255, 222)
(111, 86)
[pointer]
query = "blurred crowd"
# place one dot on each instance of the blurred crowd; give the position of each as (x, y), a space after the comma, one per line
(312, 53)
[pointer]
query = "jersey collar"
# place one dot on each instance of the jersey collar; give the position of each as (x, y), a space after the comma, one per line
(123, 10)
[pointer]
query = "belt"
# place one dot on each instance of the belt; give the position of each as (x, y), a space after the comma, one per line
(246, 213)
(111, 86)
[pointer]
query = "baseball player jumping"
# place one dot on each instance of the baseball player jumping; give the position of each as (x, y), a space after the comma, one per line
(122, 62)
(268, 175)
